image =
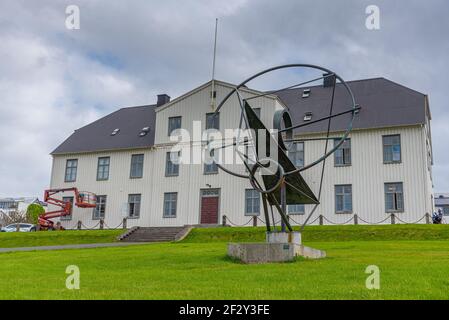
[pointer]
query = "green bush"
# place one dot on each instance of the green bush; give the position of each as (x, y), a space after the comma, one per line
(33, 212)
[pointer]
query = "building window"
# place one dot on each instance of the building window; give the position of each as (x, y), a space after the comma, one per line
(69, 216)
(296, 209)
(70, 170)
(296, 154)
(134, 205)
(257, 111)
(392, 148)
(173, 124)
(343, 198)
(9, 205)
(212, 122)
(100, 209)
(103, 168)
(136, 166)
(394, 197)
(252, 202)
(170, 203)
(210, 168)
(342, 156)
(171, 168)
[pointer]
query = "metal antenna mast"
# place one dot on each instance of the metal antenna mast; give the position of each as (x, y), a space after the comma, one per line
(213, 94)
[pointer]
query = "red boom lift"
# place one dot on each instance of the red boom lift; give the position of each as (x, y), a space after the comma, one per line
(82, 199)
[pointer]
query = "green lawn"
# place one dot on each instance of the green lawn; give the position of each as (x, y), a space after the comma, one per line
(197, 268)
(49, 238)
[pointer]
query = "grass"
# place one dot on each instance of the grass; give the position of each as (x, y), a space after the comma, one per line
(198, 268)
(49, 238)
(328, 233)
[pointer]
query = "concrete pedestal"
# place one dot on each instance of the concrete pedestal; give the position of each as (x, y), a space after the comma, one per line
(280, 247)
(284, 237)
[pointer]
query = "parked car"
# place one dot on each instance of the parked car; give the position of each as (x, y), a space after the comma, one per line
(23, 227)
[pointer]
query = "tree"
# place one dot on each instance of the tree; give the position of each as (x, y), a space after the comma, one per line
(33, 212)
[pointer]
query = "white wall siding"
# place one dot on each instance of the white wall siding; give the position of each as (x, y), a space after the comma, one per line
(367, 173)
(116, 188)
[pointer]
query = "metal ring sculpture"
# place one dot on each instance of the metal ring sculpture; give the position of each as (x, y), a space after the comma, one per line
(282, 122)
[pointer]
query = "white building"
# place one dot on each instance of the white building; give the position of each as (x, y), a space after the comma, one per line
(442, 203)
(384, 168)
(19, 204)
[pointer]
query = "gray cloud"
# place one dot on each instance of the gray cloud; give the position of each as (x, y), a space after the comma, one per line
(54, 80)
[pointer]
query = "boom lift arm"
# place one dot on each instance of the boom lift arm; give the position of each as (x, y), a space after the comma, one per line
(82, 199)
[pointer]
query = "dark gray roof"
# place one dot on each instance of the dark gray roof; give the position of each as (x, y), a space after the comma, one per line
(384, 104)
(97, 136)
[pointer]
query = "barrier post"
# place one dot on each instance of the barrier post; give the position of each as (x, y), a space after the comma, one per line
(356, 219)
(254, 221)
(427, 218)
(124, 223)
(223, 220)
(79, 225)
(101, 224)
(321, 220)
(393, 220)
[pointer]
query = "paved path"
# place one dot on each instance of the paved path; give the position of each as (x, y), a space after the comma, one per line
(72, 246)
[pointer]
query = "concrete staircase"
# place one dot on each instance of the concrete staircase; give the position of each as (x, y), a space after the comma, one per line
(155, 234)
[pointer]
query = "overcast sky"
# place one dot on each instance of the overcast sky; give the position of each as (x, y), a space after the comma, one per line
(54, 80)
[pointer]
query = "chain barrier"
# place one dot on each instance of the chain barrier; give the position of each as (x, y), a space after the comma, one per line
(75, 227)
(351, 219)
(367, 222)
(109, 228)
(338, 223)
(260, 220)
(399, 219)
(238, 225)
(93, 228)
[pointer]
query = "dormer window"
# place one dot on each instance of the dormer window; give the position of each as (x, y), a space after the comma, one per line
(306, 93)
(144, 131)
(307, 116)
(113, 133)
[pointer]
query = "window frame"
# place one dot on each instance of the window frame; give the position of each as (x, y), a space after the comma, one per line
(131, 195)
(342, 194)
(395, 198)
(384, 145)
(169, 163)
(103, 165)
(252, 213)
(170, 130)
(94, 217)
(134, 156)
(208, 114)
(68, 217)
(342, 150)
(301, 212)
(164, 215)
(71, 170)
(213, 164)
(297, 151)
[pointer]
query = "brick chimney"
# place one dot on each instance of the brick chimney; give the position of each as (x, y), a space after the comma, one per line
(328, 81)
(162, 99)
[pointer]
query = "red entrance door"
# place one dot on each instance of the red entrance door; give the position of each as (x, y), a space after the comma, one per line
(209, 206)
